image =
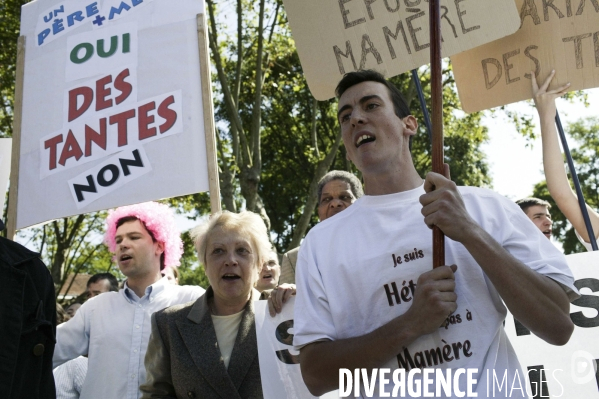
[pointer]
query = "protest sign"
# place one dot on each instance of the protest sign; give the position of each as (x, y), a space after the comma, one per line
(391, 36)
(561, 35)
(279, 363)
(568, 371)
(5, 152)
(116, 109)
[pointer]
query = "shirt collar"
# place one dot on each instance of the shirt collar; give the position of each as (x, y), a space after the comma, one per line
(150, 292)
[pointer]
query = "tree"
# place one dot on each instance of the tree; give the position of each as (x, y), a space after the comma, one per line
(10, 15)
(275, 141)
(585, 134)
(70, 246)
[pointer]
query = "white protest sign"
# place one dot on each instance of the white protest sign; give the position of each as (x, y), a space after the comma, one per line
(279, 363)
(554, 34)
(568, 371)
(112, 106)
(5, 156)
(392, 36)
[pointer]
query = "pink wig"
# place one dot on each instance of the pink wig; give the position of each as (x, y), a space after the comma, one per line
(158, 219)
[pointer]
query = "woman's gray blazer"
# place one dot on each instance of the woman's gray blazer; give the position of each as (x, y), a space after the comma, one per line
(184, 361)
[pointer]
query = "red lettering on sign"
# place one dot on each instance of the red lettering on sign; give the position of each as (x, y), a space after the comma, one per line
(51, 144)
(71, 149)
(165, 112)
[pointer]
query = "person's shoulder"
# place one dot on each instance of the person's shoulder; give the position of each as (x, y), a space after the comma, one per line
(103, 301)
(483, 194)
(292, 252)
(191, 291)
(175, 312)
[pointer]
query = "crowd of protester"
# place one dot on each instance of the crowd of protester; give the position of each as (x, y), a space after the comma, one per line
(155, 338)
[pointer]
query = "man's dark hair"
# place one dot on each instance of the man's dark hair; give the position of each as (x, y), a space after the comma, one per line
(114, 284)
(526, 203)
(126, 219)
(349, 178)
(368, 75)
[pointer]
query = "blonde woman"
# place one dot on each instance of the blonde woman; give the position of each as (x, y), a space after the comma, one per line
(208, 348)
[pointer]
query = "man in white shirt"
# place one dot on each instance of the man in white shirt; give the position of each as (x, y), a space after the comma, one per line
(113, 329)
(367, 294)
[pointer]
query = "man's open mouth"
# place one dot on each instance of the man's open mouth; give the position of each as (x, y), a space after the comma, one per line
(363, 139)
(230, 276)
(266, 276)
(125, 257)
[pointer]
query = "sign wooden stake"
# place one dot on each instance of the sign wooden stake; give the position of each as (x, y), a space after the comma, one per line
(11, 222)
(209, 130)
(437, 117)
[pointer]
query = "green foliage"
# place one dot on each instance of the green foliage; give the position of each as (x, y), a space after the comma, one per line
(585, 134)
(10, 14)
(190, 271)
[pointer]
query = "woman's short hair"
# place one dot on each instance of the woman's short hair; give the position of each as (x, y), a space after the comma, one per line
(244, 222)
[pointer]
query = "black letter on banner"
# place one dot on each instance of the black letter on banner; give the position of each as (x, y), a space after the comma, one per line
(581, 6)
(125, 163)
(507, 66)
(344, 13)
(460, 13)
(370, 49)
(546, 5)
(388, 34)
(369, 8)
(577, 47)
(114, 170)
(348, 53)
(413, 31)
(529, 8)
(283, 336)
(90, 188)
(586, 301)
(493, 61)
(392, 9)
(534, 59)
(444, 15)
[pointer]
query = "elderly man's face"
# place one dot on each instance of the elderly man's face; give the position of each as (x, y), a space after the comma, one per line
(336, 196)
(270, 273)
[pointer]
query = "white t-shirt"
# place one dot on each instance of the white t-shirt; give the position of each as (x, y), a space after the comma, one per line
(357, 270)
(226, 328)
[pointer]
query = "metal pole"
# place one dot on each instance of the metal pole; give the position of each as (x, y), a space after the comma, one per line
(581, 201)
(427, 117)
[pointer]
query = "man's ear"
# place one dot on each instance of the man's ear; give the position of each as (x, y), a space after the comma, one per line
(159, 248)
(411, 125)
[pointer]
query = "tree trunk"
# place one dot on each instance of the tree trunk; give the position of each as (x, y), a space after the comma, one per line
(323, 167)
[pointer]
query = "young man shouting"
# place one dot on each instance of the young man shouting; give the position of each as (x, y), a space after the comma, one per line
(367, 294)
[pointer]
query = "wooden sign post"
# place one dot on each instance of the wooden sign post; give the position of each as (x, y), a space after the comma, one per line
(11, 218)
(437, 118)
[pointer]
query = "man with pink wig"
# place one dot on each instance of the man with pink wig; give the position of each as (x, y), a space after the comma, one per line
(113, 329)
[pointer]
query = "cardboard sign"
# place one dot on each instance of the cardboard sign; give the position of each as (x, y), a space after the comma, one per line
(557, 34)
(568, 371)
(279, 362)
(112, 106)
(392, 36)
(5, 157)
